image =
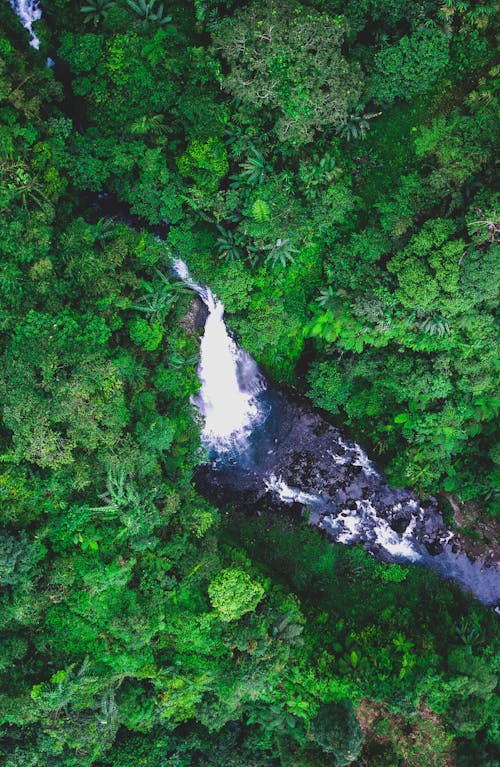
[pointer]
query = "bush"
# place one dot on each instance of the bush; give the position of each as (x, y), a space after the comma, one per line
(233, 593)
(338, 732)
(409, 67)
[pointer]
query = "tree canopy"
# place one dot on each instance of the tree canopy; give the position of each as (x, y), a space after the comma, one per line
(328, 168)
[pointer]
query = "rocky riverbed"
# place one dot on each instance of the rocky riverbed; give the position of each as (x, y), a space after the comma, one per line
(299, 463)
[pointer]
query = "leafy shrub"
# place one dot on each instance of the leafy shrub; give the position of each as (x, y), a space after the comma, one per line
(337, 731)
(233, 593)
(409, 67)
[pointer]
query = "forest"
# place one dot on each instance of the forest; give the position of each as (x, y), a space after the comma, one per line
(328, 168)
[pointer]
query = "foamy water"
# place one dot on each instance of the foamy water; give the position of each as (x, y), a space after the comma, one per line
(289, 494)
(28, 12)
(229, 378)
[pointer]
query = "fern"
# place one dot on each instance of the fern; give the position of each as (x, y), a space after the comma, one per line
(261, 211)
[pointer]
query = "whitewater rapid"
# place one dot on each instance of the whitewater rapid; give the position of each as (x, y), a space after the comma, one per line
(28, 12)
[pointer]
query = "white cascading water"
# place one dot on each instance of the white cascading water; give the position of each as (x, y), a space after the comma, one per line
(228, 403)
(352, 524)
(229, 379)
(28, 12)
(289, 494)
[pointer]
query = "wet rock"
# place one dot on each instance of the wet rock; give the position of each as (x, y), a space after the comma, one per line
(399, 523)
(353, 501)
(194, 320)
(433, 547)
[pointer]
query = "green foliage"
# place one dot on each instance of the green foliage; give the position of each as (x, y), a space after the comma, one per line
(150, 11)
(289, 61)
(205, 162)
(336, 729)
(229, 244)
(279, 252)
(329, 389)
(409, 67)
(233, 593)
(255, 168)
(18, 560)
(139, 625)
(357, 124)
(148, 335)
(261, 211)
(96, 10)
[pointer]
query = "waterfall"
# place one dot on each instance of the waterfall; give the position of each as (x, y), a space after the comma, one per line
(28, 12)
(267, 448)
(229, 379)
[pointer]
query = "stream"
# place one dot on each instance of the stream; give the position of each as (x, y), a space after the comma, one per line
(28, 12)
(273, 452)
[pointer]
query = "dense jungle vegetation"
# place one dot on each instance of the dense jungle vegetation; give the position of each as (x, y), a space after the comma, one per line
(328, 168)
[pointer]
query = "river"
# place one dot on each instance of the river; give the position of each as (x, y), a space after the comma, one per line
(265, 447)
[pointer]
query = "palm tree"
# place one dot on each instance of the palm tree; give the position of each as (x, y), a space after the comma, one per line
(149, 11)
(160, 297)
(435, 325)
(96, 10)
(357, 124)
(104, 229)
(281, 251)
(153, 124)
(254, 168)
(229, 244)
